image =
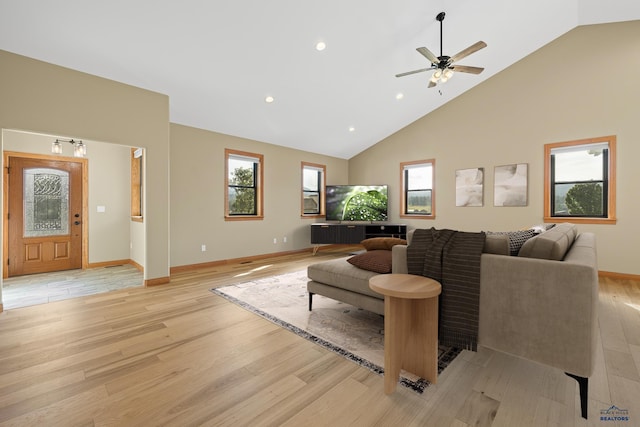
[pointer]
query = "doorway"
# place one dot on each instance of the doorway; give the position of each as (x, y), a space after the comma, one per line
(45, 211)
(111, 239)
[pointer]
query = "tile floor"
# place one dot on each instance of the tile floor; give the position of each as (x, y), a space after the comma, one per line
(23, 291)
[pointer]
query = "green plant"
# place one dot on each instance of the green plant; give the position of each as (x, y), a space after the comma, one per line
(365, 206)
(585, 199)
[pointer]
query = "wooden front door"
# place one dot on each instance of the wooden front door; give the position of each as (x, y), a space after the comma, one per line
(44, 215)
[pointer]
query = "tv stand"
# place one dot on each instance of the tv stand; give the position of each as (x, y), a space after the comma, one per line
(350, 234)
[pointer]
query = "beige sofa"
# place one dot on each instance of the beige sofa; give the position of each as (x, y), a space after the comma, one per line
(540, 305)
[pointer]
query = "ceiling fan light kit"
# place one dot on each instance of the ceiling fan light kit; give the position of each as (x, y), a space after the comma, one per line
(443, 66)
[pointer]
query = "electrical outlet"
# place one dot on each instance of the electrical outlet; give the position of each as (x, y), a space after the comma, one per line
(275, 240)
(204, 248)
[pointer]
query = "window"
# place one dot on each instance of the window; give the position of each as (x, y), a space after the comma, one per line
(580, 180)
(313, 180)
(243, 182)
(418, 197)
(136, 184)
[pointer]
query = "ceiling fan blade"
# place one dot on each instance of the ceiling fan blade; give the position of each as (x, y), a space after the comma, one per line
(413, 72)
(467, 69)
(468, 51)
(428, 54)
(431, 84)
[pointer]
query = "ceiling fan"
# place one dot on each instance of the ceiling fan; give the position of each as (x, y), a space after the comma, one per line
(443, 66)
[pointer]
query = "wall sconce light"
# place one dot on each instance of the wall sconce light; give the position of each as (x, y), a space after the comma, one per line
(79, 148)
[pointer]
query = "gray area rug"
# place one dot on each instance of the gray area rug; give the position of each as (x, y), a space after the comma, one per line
(351, 332)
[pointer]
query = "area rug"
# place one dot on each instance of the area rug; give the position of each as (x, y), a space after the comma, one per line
(344, 329)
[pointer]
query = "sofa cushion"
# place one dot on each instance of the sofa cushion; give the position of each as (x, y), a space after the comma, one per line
(552, 244)
(497, 244)
(337, 272)
(382, 243)
(516, 239)
(378, 261)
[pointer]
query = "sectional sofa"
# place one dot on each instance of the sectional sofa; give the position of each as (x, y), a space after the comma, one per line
(537, 301)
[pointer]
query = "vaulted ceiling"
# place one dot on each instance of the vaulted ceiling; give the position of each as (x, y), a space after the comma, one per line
(218, 60)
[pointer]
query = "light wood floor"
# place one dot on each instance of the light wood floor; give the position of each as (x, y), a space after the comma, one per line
(178, 355)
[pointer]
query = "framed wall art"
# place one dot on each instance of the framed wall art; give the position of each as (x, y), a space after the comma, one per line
(469, 187)
(510, 185)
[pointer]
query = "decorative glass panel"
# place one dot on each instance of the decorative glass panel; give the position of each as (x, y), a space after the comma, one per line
(46, 202)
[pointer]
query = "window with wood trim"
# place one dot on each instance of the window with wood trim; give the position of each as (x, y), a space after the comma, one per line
(136, 184)
(313, 183)
(243, 185)
(418, 191)
(580, 181)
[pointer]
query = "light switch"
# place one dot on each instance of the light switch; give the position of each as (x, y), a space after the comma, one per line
(102, 209)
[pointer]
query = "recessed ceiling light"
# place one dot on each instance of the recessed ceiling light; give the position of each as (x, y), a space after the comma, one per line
(320, 46)
(352, 129)
(269, 99)
(399, 95)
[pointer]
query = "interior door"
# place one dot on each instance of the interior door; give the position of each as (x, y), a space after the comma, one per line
(44, 216)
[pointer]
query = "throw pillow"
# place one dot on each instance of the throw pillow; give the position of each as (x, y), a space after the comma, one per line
(541, 228)
(516, 239)
(382, 243)
(378, 261)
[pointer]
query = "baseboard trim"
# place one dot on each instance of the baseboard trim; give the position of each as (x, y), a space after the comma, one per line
(614, 275)
(211, 264)
(136, 265)
(109, 263)
(157, 281)
(116, 263)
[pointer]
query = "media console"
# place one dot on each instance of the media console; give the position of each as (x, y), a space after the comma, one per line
(322, 233)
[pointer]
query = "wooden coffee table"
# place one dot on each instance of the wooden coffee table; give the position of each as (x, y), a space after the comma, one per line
(410, 326)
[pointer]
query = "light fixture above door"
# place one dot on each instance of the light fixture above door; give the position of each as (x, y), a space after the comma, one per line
(79, 148)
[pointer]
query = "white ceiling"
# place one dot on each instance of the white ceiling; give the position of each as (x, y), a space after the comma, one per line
(217, 60)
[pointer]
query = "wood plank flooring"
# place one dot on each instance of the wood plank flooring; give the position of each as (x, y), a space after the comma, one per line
(178, 355)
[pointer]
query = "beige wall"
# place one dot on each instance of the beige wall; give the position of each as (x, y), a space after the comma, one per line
(109, 186)
(39, 97)
(584, 84)
(197, 198)
(562, 92)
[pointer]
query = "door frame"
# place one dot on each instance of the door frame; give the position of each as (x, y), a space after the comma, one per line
(5, 201)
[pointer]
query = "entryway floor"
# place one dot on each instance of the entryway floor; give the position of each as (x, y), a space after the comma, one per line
(23, 291)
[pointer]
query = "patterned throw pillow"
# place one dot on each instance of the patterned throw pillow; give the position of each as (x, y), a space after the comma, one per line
(516, 239)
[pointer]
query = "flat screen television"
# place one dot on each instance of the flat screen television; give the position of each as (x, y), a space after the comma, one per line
(356, 203)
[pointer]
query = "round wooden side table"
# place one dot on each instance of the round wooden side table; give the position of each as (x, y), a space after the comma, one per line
(410, 326)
